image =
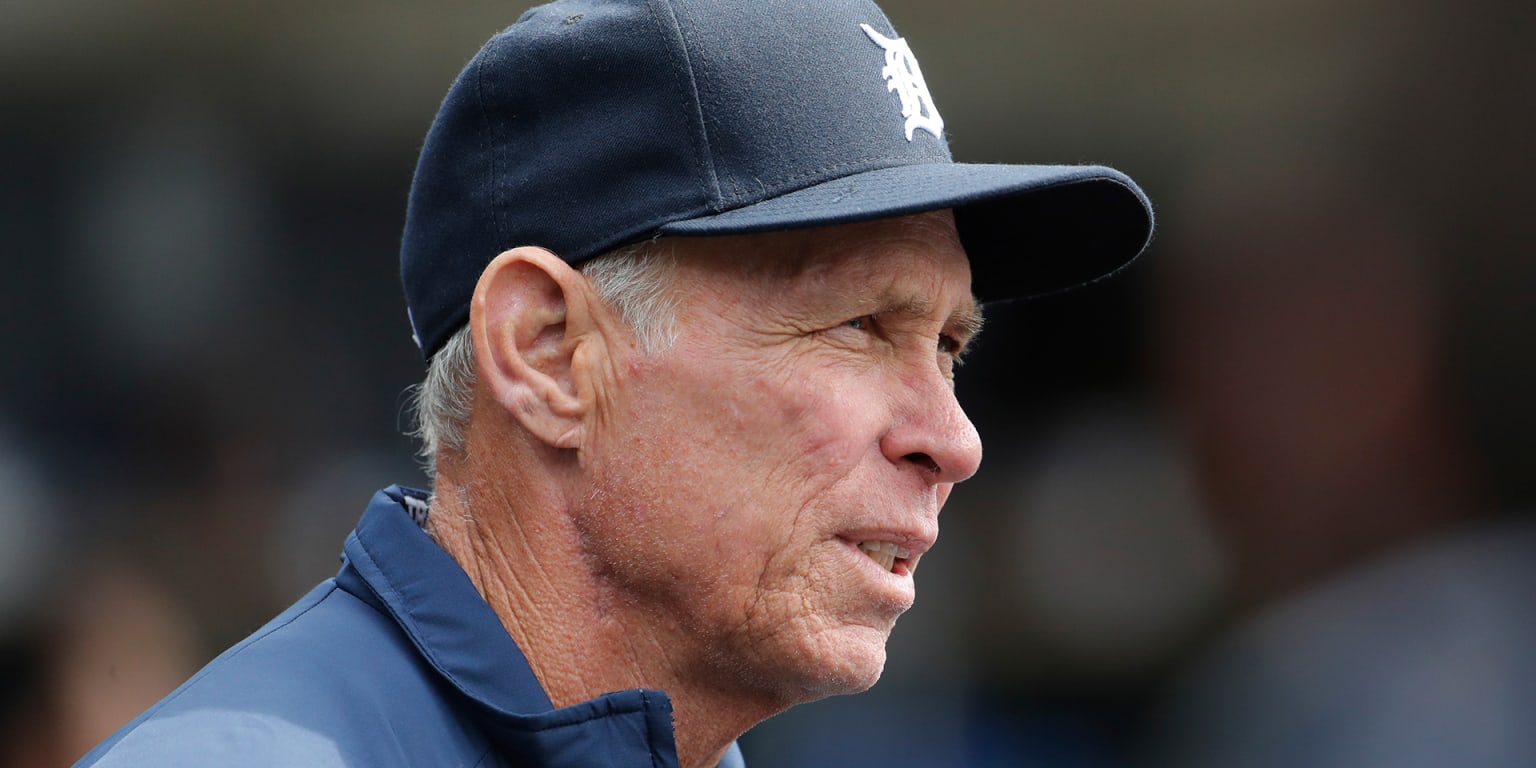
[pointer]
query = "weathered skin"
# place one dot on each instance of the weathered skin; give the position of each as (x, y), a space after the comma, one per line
(688, 519)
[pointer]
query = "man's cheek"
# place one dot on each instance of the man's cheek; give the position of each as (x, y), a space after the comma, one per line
(835, 422)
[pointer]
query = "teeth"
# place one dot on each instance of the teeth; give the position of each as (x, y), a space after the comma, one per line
(885, 553)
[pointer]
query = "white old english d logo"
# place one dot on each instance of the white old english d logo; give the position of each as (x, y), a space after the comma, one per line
(903, 76)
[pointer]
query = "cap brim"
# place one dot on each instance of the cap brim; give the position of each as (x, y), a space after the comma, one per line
(1028, 229)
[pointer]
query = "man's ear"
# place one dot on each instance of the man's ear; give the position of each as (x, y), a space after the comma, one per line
(528, 313)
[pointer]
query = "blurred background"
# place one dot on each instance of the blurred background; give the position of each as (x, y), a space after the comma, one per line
(1261, 500)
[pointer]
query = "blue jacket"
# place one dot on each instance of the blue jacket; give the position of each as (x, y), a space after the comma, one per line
(395, 662)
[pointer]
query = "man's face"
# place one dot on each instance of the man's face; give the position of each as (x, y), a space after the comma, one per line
(806, 408)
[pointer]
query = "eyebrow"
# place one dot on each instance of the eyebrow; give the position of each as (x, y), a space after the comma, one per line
(967, 318)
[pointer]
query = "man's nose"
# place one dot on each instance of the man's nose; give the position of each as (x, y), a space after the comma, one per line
(930, 430)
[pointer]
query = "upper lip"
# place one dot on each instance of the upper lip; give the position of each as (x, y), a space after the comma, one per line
(917, 541)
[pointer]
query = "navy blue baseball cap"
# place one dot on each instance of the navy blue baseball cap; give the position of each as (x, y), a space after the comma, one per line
(592, 124)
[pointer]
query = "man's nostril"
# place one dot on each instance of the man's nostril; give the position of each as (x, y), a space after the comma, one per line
(923, 460)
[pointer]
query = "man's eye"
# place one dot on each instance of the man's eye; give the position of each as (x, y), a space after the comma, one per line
(861, 322)
(952, 348)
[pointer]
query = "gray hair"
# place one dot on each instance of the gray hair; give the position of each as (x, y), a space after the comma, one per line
(634, 281)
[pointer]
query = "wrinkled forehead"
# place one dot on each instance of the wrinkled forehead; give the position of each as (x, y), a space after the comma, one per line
(911, 247)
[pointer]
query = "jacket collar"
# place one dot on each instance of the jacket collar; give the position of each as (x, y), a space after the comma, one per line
(389, 562)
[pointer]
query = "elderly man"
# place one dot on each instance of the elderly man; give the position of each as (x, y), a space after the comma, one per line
(692, 277)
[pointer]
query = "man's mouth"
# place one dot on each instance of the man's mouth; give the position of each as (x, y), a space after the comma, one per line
(885, 553)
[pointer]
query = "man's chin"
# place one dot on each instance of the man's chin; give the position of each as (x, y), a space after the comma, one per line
(847, 667)
(804, 667)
